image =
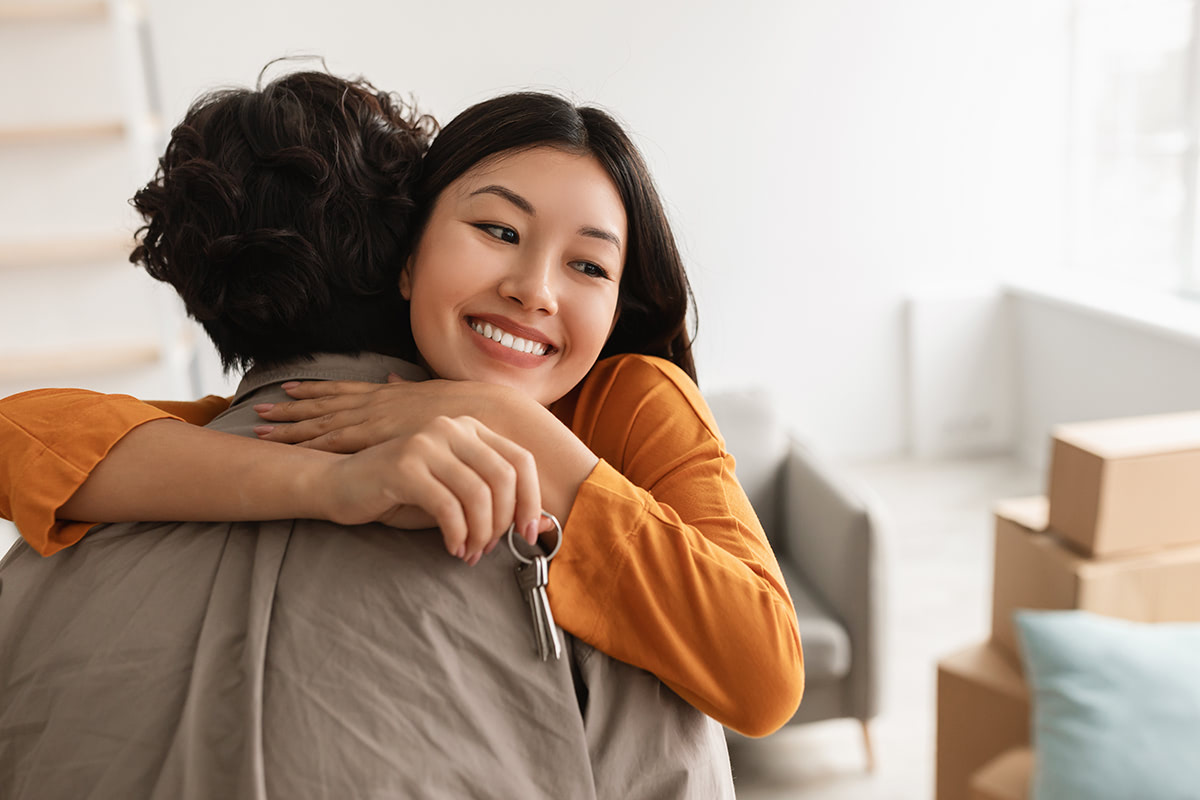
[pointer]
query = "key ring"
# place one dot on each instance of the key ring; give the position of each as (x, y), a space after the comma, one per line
(525, 559)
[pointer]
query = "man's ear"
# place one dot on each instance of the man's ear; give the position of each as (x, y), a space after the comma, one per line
(406, 280)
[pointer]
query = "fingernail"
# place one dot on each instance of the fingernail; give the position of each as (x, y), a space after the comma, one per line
(531, 531)
(263, 408)
(461, 551)
(492, 546)
(290, 385)
(474, 559)
(263, 430)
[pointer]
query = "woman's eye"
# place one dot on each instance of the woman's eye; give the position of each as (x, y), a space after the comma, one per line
(500, 232)
(590, 269)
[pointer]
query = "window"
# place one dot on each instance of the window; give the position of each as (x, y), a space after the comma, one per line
(1133, 147)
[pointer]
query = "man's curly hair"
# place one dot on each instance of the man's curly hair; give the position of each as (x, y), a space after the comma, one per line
(282, 217)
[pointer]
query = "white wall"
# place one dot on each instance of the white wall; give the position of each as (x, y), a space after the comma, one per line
(820, 159)
(1079, 362)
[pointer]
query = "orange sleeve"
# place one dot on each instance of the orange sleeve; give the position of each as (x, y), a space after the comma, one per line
(52, 439)
(664, 564)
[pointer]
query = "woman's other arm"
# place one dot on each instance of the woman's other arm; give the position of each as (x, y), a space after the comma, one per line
(50, 442)
(78, 455)
(664, 563)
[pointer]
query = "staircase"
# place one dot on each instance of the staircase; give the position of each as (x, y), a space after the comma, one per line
(79, 133)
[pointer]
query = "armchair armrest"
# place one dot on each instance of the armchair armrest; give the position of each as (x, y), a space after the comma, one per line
(832, 533)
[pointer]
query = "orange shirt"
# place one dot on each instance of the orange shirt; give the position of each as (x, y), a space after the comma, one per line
(664, 564)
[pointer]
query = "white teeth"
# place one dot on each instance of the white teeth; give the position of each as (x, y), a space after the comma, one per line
(508, 340)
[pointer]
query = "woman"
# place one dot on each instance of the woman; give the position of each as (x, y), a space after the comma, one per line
(663, 565)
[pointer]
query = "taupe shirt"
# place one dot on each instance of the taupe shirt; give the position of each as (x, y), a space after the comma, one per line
(298, 659)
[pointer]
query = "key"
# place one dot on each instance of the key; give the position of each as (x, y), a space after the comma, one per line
(533, 578)
(533, 575)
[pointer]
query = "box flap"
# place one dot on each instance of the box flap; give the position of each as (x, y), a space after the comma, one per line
(1028, 512)
(1134, 436)
(983, 665)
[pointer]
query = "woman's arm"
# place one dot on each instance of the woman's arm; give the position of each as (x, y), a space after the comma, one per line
(52, 439)
(79, 455)
(664, 563)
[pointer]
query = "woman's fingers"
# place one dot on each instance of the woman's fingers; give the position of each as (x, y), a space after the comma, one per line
(350, 439)
(336, 433)
(299, 410)
(493, 480)
(302, 390)
(338, 423)
(527, 505)
(472, 481)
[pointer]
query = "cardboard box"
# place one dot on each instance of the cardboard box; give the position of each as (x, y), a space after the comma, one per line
(1034, 569)
(1006, 777)
(982, 711)
(1127, 484)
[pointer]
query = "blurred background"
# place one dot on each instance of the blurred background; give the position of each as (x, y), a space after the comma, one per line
(899, 217)
(930, 229)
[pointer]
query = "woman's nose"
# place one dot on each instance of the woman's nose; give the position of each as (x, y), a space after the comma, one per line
(530, 284)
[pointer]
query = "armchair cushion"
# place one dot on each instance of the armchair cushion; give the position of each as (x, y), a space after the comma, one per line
(826, 645)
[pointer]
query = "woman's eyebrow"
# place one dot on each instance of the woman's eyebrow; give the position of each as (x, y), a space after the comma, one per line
(603, 235)
(509, 195)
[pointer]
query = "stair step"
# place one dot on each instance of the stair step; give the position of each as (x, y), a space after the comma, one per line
(100, 129)
(53, 12)
(65, 250)
(78, 361)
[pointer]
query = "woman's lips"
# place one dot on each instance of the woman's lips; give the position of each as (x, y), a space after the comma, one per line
(506, 333)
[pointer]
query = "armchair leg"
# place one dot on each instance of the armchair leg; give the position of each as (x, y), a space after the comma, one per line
(870, 748)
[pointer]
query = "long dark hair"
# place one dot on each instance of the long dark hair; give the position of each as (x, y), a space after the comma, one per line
(282, 216)
(655, 295)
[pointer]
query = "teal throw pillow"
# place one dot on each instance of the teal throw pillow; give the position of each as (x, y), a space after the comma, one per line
(1116, 711)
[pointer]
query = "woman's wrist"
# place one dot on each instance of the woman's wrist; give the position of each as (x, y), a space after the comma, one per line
(310, 491)
(564, 462)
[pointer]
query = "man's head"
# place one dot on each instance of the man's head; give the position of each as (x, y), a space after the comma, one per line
(281, 216)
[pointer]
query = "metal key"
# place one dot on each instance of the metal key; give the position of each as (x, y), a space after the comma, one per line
(533, 575)
(532, 578)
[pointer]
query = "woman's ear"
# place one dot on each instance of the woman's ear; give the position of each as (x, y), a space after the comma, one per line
(406, 280)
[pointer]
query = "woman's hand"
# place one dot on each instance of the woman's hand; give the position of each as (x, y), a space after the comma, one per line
(348, 416)
(453, 473)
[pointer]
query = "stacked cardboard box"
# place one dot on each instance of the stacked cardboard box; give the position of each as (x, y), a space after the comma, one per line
(1007, 777)
(983, 710)
(1119, 535)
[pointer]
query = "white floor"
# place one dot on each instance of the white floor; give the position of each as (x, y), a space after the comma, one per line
(939, 599)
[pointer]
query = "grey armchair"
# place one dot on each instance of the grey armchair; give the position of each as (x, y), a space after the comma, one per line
(826, 532)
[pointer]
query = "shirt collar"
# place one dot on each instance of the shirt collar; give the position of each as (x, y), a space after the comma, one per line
(371, 367)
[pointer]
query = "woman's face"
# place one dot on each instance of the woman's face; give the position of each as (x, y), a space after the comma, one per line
(514, 280)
